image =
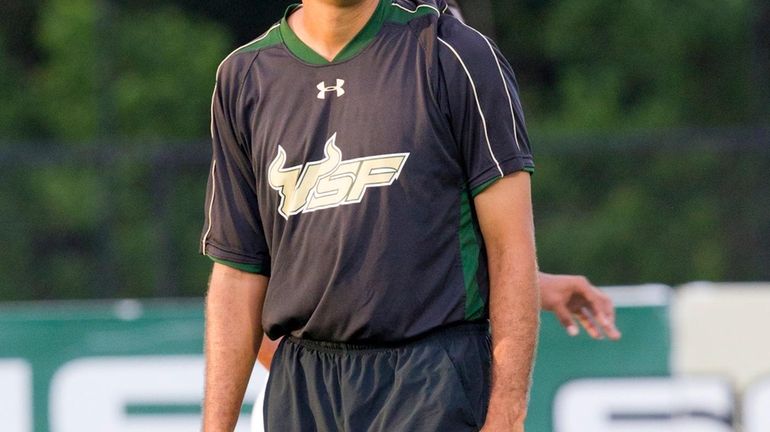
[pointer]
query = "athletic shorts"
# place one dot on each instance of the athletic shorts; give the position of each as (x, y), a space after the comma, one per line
(437, 382)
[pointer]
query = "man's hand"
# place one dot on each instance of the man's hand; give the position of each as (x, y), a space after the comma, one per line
(233, 335)
(573, 298)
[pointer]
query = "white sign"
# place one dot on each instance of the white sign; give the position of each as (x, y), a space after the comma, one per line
(98, 393)
(15, 396)
(643, 405)
(756, 411)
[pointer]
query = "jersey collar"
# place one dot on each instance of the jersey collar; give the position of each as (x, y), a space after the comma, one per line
(355, 46)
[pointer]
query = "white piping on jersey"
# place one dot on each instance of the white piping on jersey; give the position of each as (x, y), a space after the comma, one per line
(213, 98)
(456, 13)
(219, 68)
(505, 84)
(478, 104)
(211, 205)
(416, 9)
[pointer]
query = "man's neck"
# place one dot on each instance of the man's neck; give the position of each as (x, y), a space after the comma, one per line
(327, 26)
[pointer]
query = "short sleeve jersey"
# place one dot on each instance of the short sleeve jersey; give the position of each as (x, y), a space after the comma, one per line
(350, 182)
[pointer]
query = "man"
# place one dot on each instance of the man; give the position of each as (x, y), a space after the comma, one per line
(370, 158)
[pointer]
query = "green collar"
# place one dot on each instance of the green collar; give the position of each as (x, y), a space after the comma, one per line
(355, 46)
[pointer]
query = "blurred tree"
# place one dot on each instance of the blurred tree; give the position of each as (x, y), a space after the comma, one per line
(99, 222)
(66, 84)
(14, 122)
(607, 65)
(11, 95)
(617, 213)
(631, 215)
(165, 73)
(142, 61)
(760, 83)
(246, 19)
(17, 29)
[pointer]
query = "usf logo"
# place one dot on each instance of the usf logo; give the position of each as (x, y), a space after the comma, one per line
(331, 181)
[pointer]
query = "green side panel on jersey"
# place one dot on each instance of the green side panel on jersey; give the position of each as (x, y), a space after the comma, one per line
(269, 38)
(470, 251)
(248, 268)
(399, 14)
(482, 187)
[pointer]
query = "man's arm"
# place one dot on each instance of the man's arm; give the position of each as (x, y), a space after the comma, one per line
(505, 217)
(570, 297)
(233, 335)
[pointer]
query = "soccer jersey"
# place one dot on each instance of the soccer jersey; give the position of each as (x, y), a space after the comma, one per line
(350, 182)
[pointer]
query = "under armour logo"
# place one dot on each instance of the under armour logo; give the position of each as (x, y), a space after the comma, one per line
(322, 89)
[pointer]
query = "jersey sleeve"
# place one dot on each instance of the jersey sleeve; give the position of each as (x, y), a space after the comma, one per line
(232, 232)
(480, 96)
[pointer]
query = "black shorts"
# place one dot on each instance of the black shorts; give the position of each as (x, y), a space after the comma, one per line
(438, 382)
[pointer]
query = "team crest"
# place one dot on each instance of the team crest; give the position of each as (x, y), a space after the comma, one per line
(331, 181)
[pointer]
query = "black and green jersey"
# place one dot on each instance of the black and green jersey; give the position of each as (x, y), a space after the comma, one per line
(351, 182)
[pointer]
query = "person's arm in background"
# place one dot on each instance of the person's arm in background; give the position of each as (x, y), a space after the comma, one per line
(572, 297)
(504, 212)
(233, 336)
(267, 351)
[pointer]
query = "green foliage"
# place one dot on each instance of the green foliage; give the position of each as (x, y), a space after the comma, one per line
(642, 217)
(632, 64)
(13, 113)
(165, 73)
(66, 86)
(135, 73)
(92, 223)
(616, 213)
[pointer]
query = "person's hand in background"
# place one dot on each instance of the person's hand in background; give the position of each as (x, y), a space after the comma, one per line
(573, 299)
